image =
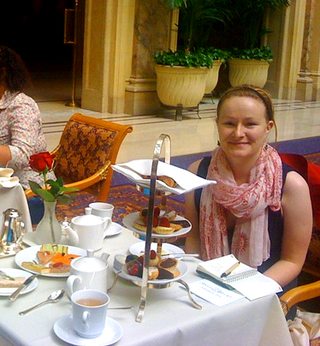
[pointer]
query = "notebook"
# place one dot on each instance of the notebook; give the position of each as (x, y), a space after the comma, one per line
(231, 273)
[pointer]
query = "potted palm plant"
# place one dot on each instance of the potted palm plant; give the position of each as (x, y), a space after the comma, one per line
(187, 68)
(249, 62)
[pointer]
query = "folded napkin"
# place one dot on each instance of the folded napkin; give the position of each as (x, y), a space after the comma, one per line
(185, 180)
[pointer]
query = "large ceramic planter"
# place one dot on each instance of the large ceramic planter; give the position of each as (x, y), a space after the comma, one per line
(212, 77)
(254, 72)
(180, 85)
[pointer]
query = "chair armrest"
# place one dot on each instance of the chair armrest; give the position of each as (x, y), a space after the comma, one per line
(299, 294)
(84, 183)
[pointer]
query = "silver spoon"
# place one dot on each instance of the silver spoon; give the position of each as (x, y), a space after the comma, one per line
(54, 297)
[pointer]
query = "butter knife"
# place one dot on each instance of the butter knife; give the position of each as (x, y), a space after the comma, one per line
(179, 255)
(15, 294)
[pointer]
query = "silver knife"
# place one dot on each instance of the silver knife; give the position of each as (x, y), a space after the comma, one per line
(15, 294)
(178, 255)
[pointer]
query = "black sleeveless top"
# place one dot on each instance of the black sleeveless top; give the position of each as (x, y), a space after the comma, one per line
(275, 227)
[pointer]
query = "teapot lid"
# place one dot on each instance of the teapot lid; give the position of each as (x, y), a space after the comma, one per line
(90, 263)
(87, 220)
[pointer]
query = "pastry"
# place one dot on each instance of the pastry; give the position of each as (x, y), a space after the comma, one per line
(153, 273)
(39, 268)
(168, 263)
(154, 259)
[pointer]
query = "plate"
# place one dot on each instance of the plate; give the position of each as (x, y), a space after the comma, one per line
(30, 254)
(181, 266)
(114, 229)
(138, 248)
(130, 218)
(112, 333)
(15, 273)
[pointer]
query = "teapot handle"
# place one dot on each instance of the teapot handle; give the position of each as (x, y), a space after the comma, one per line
(107, 223)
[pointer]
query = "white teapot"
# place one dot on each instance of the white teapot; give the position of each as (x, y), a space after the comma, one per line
(88, 272)
(87, 231)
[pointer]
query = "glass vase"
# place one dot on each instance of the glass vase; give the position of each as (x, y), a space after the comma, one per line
(48, 230)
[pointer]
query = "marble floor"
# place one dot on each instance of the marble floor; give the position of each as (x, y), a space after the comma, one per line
(295, 119)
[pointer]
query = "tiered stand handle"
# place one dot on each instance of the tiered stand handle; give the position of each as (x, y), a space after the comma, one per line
(163, 140)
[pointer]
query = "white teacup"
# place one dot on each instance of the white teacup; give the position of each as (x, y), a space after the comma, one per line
(102, 209)
(88, 273)
(89, 312)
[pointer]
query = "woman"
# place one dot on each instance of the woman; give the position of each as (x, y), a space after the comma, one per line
(260, 209)
(20, 120)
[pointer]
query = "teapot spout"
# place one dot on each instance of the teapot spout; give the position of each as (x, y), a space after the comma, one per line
(72, 235)
(104, 256)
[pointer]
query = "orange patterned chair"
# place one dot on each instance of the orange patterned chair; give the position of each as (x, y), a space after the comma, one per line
(87, 148)
(302, 293)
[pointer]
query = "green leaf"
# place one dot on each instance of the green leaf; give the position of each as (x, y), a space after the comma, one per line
(64, 199)
(46, 195)
(34, 187)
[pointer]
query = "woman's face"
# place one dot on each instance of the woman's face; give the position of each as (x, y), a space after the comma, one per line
(243, 127)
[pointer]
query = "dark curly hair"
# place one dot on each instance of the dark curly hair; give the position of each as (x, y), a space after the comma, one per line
(13, 72)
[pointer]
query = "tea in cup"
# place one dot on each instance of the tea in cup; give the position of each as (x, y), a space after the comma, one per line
(89, 312)
(101, 209)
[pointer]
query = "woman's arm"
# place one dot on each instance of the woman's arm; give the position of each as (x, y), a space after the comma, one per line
(297, 215)
(5, 155)
(193, 240)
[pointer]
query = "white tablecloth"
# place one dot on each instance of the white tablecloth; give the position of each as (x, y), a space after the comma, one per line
(169, 319)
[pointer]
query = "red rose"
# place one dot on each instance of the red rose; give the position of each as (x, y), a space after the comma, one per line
(39, 162)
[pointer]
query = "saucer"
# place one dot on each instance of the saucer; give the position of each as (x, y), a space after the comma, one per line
(113, 229)
(112, 333)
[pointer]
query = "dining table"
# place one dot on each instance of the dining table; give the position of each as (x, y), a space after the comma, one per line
(169, 317)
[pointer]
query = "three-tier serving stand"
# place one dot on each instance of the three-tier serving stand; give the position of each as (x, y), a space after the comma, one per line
(164, 143)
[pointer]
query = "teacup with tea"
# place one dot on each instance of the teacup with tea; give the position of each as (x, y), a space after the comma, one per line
(89, 312)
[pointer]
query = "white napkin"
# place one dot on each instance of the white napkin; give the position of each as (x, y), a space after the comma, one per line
(186, 180)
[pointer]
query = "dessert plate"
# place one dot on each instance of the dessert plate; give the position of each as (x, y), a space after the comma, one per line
(123, 274)
(15, 273)
(138, 248)
(129, 219)
(112, 333)
(30, 254)
(114, 229)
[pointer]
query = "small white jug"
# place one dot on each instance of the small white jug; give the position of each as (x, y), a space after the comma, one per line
(88, 273)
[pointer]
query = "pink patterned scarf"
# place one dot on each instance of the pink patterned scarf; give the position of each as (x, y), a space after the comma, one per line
(248, 202)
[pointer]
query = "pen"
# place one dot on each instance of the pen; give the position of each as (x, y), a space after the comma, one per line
(230, 270)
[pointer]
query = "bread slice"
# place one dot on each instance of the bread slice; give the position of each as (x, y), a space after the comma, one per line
(5, 283)
(39, 268)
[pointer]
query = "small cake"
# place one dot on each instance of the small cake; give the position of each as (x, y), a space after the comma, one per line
(153, 273)
(168, 263)
(154, 259)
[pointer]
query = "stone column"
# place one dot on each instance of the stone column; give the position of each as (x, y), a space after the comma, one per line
(107, 54)
(314, 59)
(155, 28)
(305, 82)
(286, 41)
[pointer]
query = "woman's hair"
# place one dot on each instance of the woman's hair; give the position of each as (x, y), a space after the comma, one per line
(253, 92)
(13, 72)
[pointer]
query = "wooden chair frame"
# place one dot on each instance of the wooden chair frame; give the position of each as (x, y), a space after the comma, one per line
(103, 176)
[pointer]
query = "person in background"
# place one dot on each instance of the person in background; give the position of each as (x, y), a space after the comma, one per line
(260, 209)
(21, 132)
